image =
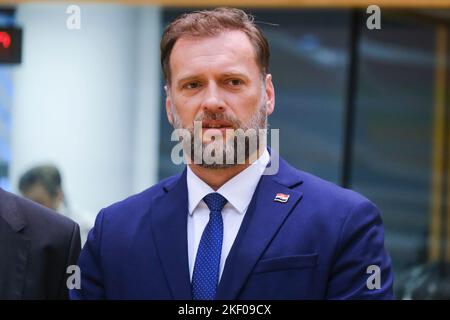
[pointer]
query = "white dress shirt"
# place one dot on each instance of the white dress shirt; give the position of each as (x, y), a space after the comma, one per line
(238, 191)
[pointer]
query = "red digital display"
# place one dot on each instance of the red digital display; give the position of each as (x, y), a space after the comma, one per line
(10, 45)
(5, 39)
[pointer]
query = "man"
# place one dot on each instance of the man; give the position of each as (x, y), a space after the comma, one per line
(36, 247)
(231, 230)
(43, 184)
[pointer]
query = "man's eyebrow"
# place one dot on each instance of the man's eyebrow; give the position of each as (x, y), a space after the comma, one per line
(234, 74)
(187, 78)
(224, 74)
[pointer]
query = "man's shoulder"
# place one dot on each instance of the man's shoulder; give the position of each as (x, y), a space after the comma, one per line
(324, 193)
(141, 201)
(21, 213)
(329, 189)
(328, 206)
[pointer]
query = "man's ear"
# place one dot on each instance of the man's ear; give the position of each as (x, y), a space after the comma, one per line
(168, 105)
(270, 94)
(58, 200)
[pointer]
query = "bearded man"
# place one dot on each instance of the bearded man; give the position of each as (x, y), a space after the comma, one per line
(229, 226)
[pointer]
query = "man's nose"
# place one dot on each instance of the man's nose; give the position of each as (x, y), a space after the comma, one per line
(212, 99)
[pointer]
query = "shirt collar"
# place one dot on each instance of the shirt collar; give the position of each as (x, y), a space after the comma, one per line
(238, 190)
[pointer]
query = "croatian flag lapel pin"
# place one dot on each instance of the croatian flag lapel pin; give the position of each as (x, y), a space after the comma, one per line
(281, 197)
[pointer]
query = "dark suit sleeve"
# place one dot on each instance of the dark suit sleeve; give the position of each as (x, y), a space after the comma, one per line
(90, 266)
(74, 249)
(360, 253)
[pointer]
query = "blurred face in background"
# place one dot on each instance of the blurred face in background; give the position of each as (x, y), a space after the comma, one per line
(217, 80)
(39, 194)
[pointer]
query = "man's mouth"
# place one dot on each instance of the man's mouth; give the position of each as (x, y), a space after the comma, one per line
(216, 125)
(213, 129)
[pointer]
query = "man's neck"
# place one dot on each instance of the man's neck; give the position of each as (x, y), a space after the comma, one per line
(216, 178)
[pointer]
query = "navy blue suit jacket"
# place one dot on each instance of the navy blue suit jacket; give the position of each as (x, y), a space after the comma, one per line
(317, 245)
(36, 247)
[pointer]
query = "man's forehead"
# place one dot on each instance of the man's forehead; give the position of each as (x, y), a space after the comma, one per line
(233, 41)
(226, 33)
(226, 48)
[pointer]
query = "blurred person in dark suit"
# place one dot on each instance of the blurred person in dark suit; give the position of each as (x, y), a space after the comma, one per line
(231, 230)
(43, 184)
(36, 247)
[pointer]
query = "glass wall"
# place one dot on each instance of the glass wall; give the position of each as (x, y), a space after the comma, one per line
(392, 157)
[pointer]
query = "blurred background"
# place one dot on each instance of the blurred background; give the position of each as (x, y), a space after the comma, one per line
(369, 109)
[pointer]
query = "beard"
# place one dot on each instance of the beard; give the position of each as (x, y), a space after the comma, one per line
(246, 141)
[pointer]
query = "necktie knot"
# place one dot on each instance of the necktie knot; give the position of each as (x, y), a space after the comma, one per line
(215, 201)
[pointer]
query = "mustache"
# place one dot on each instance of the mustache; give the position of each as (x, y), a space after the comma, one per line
(219, 116)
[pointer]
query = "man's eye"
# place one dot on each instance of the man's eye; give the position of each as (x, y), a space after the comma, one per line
(235, 82)
(192, 85)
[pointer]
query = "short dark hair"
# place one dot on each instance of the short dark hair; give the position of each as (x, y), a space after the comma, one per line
(46, 175)
(208, 23)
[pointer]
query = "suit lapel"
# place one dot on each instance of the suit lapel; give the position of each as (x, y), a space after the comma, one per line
(14, 249)
(169, 225)
(262, 220)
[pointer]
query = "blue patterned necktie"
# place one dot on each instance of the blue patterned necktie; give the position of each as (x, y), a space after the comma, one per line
(207, 263)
